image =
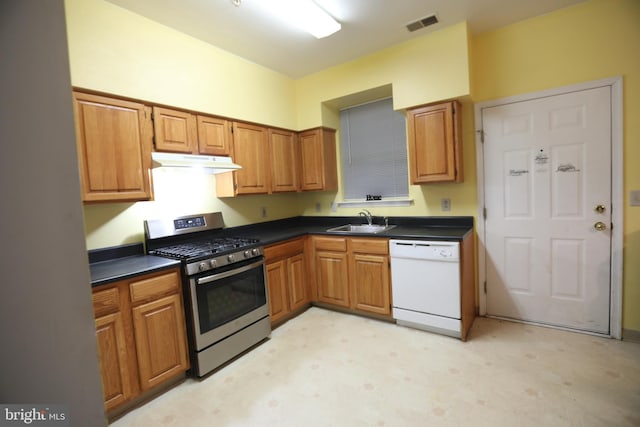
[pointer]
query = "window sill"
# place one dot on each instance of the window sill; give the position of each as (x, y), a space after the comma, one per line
(365, 203)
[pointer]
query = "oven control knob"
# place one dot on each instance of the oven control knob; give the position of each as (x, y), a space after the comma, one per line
(255, 251)
(202, 266)
(213, 263)
(230, 258)
(247, 254)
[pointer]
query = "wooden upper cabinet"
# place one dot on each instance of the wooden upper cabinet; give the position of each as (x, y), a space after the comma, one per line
(251, 151)
(435, 143)
(174, 130)
(214, 136)
(319, 170)
(283, 150)
(114, 148)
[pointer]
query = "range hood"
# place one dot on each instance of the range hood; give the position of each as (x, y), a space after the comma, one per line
(208, 164)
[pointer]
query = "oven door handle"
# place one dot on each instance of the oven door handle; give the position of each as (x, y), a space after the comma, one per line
(214, 277)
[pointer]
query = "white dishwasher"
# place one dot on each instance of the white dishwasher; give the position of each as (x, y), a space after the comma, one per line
(425, 283)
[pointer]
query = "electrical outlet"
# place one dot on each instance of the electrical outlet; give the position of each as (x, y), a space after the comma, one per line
(445, 205)
(263, 212)
(318, 207)
(334, 207)
(634, 198)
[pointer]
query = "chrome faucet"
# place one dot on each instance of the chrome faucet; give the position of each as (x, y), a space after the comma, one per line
(365, 213)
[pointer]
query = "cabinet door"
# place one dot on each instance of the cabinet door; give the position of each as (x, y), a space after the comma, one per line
(318, 160)
(277, 288)
(174, 130)
(114, 148)
(370, 283)
(214, 136)
(435, 149)
(298, 294)
(113, 357)
(160, 340)
(332, 278)
(283, 148)
(251, 152)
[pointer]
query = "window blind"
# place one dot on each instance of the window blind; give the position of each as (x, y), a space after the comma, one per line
(374, 151)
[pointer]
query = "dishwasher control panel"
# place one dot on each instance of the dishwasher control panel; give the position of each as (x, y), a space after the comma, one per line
(421, 249)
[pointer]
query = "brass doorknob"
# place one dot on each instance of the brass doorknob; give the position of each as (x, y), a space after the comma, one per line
(600, 226)
(600, 208)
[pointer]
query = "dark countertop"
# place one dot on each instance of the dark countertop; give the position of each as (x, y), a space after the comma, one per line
(424, 228)
(122, 262)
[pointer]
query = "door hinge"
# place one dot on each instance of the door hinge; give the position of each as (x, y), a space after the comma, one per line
(484, 213)
(485, 286)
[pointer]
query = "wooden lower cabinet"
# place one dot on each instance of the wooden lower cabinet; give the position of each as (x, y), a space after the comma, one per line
(353, 273)
(141, 335)
(286, 278)
(112, 347)
(370, 275)
(161, 343)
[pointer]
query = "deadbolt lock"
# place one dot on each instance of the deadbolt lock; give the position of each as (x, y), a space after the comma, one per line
(600, 208)
(600, 226)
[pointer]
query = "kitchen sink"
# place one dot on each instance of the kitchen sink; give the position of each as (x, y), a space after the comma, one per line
(361, 228)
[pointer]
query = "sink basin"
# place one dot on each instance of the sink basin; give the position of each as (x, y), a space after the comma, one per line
(361, 228)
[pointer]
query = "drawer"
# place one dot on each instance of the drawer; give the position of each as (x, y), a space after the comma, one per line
(106, 301)
(283, 250)
(338, 244)
(369, 245)
(154, 287)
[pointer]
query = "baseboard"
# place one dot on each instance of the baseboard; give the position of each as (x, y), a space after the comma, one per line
(631, 335)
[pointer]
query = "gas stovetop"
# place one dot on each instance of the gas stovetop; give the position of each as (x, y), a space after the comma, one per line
(198, 250)
(196, 240)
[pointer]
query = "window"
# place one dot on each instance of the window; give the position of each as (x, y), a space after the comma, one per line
(374, 151)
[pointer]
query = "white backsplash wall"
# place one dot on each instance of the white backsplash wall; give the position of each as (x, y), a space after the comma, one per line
(179, 193)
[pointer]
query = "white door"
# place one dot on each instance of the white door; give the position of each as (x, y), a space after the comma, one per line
(547, 168)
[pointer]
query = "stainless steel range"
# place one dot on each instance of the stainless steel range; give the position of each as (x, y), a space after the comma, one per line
(225, 283)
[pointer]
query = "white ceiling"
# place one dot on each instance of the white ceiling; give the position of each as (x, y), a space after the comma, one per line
(252, 32)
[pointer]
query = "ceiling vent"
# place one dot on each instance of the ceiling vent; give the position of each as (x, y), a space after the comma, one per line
(422, 23)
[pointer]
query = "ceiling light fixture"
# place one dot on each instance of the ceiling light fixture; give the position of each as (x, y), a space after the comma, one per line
(307, 15)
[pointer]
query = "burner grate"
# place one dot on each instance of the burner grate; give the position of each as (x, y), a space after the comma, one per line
(190, 250)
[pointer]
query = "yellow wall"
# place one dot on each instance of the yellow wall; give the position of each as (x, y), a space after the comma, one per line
(119, 52)
(590, 41)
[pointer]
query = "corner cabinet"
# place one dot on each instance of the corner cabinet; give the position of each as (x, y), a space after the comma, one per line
(141, 335)
(113, 137)
(435, 143)
(286, 279)
(318, 167)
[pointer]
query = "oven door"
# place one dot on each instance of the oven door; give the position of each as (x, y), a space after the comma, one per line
(227, 300)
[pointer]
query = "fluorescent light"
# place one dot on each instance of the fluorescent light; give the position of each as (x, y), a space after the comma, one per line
(306, 15)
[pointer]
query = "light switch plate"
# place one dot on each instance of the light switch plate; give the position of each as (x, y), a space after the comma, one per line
(445, 205)
(634, 198)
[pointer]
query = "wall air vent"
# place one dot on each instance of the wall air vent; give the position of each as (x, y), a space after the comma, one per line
(422, 23)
